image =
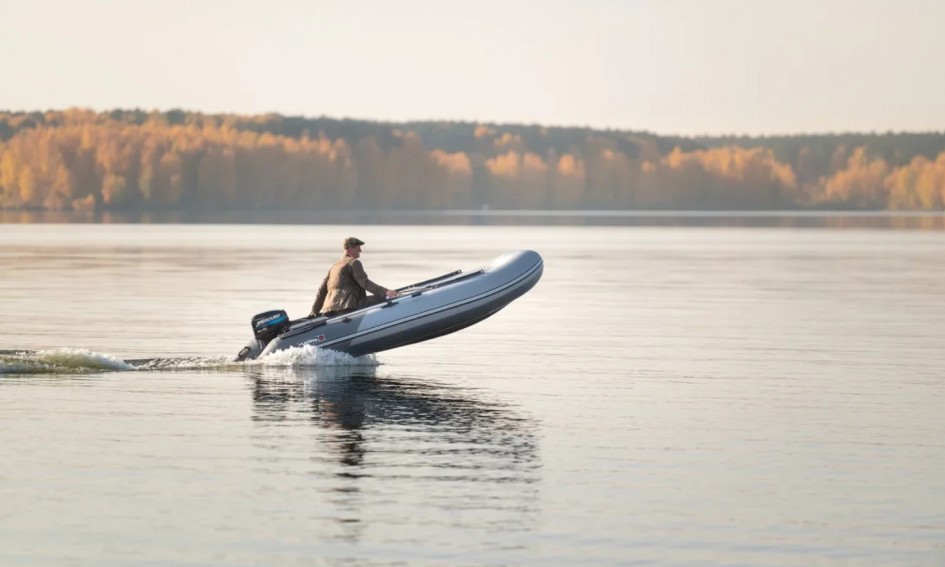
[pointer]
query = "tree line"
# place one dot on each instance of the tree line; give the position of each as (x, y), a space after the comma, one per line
(79, 159)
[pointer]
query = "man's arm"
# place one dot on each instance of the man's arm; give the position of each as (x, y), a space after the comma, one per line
(320, 297)
(357, 270)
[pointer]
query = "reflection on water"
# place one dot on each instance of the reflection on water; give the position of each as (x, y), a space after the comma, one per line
(482, 440)
(392, 435)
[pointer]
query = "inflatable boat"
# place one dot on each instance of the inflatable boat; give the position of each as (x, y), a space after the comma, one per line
(421, 312)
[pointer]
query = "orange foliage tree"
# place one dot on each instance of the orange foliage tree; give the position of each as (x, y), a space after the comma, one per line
(80, 159)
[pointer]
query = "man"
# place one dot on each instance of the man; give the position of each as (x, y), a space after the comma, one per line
(346, 285)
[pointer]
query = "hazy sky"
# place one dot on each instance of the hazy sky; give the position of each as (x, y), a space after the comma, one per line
(668, 66)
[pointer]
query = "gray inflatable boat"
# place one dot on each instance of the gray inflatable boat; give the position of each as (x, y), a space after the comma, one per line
(423, 311)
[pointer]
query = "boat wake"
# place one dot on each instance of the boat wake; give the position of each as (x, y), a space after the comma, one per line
(83, 361)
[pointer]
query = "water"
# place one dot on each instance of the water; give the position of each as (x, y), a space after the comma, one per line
(663, 396)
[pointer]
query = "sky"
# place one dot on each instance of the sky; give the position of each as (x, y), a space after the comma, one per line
(684, 67)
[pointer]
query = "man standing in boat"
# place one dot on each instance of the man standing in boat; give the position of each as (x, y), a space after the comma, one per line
(346, 285)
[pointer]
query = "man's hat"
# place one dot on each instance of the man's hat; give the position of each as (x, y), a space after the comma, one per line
(352, 241)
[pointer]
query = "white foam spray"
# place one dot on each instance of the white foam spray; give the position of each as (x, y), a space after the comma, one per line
(308, 355)
(60, 360)
(77, 360)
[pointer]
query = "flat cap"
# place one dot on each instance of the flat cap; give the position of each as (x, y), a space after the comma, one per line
(352, 241)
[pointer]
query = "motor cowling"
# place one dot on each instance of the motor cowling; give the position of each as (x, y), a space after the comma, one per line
(268, 325)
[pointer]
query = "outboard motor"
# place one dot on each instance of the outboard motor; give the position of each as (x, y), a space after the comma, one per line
(268, 325)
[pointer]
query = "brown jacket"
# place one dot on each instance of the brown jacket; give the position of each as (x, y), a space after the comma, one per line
(345, 287)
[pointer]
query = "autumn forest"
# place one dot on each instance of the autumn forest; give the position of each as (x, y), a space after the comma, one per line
(136, 160)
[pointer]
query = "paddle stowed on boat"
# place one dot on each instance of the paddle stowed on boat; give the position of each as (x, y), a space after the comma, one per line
(421, 312)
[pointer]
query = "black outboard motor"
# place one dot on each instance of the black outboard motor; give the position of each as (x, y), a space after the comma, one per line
(268, 325)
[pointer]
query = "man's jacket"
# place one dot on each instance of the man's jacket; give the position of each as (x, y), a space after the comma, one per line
(345, 287)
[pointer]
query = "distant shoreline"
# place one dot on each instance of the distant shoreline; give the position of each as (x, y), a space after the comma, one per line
(503, 217)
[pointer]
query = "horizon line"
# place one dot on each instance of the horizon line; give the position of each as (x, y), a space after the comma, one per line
(873, 132)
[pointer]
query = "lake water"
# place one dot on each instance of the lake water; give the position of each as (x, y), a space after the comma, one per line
(663, 396)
